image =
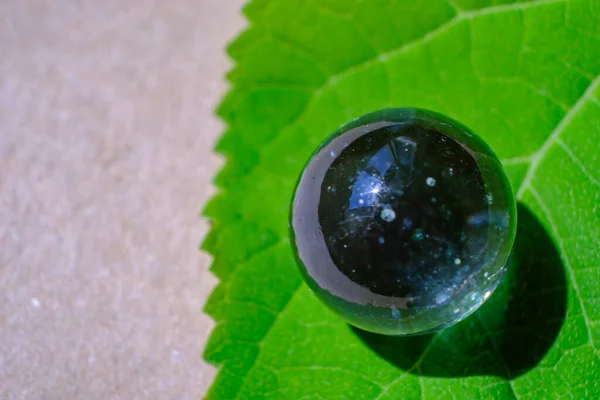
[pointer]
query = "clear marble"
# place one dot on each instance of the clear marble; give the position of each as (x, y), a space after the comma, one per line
(403, 222)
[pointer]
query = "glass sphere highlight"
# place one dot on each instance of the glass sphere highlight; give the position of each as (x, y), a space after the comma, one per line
(403, 222)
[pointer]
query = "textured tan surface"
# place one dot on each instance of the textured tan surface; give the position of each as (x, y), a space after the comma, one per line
(105, 137)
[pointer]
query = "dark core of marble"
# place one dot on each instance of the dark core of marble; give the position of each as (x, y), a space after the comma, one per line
(403, 222)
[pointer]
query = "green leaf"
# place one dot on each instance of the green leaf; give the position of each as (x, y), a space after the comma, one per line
(524, 76)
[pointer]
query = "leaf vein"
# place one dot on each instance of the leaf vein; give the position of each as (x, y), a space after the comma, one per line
(566, 259)
(277, 317)
(416, 365)
(517, 160)
(498, 352)
(537, 158)
(577, 161)
(336, 369)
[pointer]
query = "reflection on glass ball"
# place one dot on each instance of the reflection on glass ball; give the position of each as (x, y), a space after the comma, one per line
(403, 222)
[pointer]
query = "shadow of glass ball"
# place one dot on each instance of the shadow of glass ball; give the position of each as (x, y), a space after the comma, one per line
(509, 334)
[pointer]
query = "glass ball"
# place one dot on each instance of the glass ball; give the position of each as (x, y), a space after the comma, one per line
(403, 222)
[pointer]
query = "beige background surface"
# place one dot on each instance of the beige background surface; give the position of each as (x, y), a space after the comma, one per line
(106, 128)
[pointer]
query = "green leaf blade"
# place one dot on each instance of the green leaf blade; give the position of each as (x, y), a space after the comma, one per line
(510, 72)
